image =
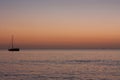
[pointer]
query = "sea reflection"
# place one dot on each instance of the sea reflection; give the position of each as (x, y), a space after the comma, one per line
(60, 65)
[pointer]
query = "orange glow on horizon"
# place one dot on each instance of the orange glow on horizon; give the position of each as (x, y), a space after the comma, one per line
(66, 26)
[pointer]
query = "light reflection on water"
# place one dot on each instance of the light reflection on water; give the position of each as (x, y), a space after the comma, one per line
(60, 65)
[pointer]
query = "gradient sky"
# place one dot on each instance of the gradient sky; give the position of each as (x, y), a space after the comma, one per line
(60, 23)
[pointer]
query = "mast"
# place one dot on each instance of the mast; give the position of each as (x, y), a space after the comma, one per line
(12, 45)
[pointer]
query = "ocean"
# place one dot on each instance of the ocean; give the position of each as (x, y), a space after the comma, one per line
(60, 65)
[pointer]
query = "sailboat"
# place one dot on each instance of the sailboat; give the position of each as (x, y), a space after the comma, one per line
(12, 45)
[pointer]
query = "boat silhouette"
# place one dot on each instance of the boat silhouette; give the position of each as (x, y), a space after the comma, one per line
(12, 45)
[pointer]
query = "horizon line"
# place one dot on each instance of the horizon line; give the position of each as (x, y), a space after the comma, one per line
(65, 48)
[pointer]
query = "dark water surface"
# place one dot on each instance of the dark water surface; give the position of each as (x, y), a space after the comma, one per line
(60, 65)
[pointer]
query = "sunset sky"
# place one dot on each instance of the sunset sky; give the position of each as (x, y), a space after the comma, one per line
(60, 23)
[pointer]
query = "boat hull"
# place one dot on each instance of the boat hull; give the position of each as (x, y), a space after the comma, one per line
(14, 49)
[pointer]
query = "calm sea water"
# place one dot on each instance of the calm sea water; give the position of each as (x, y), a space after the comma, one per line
(60, 65)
